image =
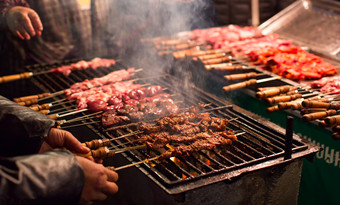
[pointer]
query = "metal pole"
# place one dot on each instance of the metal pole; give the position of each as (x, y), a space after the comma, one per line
(93, 13)
(255, 13)
(289, 137)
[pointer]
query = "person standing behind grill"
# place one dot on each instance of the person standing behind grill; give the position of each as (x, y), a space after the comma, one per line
(51, 176)
(50, 31)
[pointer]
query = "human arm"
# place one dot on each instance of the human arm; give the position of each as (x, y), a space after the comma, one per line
(54, 177)
(21, 20)
(31, 178)
(22, 129)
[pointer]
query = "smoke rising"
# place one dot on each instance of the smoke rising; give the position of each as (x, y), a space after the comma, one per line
(133, 20)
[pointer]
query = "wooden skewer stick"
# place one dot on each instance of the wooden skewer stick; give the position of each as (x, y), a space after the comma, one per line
(242, 76)
(332, 120)
(312, 110)
(247, 83)
(274, 91)
(318, 115)
(56, 116)
(317, 104)
(286, 98)
(117, 151)
(216, 60)
(196, 53)
(136, 163)
(47, 106)
(9, 78)
(210, 56)
(100, 153)
(226, 66)
(34, 99)
(30, 97)
(94, 144)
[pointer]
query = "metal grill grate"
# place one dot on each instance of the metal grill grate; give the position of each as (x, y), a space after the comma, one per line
(260, 143)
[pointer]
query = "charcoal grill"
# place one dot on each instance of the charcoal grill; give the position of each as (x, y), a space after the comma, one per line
(261, 147)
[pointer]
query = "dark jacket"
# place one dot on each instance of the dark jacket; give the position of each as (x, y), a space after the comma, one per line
(53, 177)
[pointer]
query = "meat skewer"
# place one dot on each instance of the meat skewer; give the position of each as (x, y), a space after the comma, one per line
(147, 160)
(47, 106)
(113, 77)
(94, 64)
(94, 144)
(105, 152)
(133, 164)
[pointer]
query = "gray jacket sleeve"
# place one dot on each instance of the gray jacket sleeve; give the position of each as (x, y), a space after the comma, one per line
(53, 177)
(22, 130)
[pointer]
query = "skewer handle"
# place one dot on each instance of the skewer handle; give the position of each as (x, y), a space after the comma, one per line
(318, 115)
(285, 105)
(322, 124)
(200, 53)
(41, 107)
(274, 108)
(334, 120)
(54, 116)
(111, 168)
(312, 110)
(273, 91)
(317, 104)
(224, 67)
(28, 102)
(239, 85)
(94, 144)
(9, 78)
(31, 97)
(211, 56)
(336, 128)
(100, 153)
(336, 136)
(172, 42)
(296, 105)
(283, 98)
(44, 112)
(240, 76)
(216, 60)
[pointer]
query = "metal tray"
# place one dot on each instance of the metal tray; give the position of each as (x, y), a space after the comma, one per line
(313, 24)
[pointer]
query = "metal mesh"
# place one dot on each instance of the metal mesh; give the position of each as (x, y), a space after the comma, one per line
(260, 142)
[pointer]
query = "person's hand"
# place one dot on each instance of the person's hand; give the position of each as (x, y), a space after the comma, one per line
(99, 181)
(23, 22)
(58, 138)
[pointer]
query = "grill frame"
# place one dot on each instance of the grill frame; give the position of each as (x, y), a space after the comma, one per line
(302, 147)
